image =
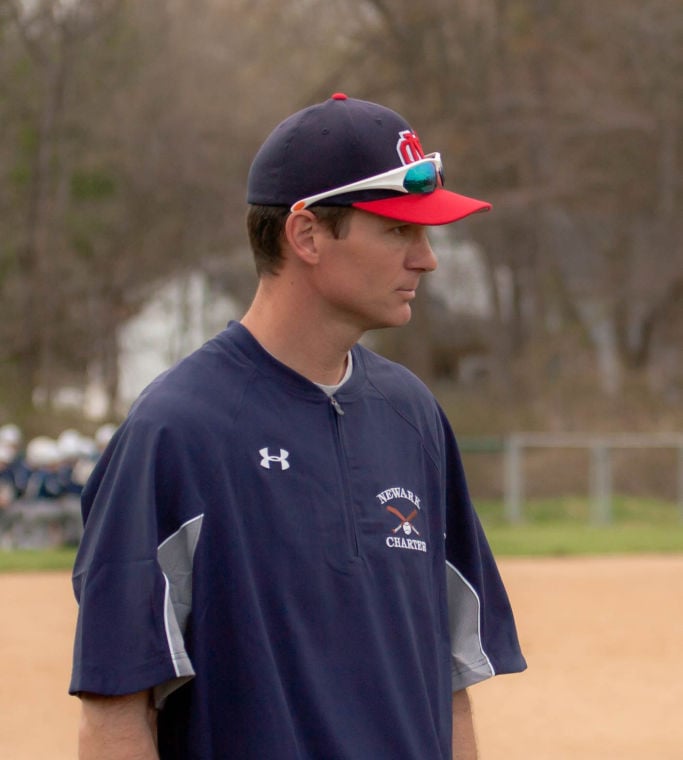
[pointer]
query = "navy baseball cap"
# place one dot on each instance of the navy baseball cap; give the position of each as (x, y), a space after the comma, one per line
(343, 141)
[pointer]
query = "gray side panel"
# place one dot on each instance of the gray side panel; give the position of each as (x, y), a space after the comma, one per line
(176, 556)
(469, 662)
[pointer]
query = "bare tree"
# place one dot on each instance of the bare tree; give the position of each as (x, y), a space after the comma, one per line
(126, 132)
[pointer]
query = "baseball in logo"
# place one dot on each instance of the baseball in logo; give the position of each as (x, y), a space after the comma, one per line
(405, 523)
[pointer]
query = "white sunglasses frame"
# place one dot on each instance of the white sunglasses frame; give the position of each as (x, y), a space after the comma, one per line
(391, 180)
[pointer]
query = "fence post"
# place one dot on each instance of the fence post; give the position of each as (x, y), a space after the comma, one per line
(601, 483)
(514, 480)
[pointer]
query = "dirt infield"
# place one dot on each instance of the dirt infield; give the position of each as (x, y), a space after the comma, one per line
(602, 637)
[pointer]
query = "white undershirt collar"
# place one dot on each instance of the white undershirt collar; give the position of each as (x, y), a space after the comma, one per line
(330, 390)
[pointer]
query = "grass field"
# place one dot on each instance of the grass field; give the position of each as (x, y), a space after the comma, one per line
(36, 559)
(552, 527)
(562, 527)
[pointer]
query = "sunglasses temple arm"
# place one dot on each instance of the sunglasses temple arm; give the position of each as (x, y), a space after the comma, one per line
(378, 182)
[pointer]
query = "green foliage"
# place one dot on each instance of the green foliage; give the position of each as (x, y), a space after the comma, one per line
(28, 139)
(19, 176)
(19, 173)
(92, 185)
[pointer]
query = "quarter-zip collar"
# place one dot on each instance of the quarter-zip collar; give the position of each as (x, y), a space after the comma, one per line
(266, 364)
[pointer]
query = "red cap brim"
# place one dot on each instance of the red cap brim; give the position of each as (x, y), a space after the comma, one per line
(439, 207)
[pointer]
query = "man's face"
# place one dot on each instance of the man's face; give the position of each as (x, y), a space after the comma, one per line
(368, 277)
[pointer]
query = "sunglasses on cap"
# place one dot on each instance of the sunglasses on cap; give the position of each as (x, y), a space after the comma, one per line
(420, 177)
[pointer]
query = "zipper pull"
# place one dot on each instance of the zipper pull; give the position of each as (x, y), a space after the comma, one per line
(336, 405)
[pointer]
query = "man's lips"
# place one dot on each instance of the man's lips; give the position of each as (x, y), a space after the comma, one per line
(408, 289)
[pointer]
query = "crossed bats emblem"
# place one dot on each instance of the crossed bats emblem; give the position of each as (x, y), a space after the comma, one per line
(406, 522)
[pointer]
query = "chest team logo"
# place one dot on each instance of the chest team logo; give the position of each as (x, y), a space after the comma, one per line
(268, 459)
(404, 532)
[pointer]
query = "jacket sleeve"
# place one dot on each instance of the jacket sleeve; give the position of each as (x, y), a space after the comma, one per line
(484, 639)
(129, 632)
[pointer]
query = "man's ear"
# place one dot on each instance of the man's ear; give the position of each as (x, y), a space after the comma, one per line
(300, 232)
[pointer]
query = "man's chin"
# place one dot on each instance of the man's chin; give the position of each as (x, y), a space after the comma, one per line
(398, 320)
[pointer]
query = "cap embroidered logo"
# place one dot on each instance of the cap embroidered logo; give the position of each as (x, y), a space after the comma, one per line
(408, 147)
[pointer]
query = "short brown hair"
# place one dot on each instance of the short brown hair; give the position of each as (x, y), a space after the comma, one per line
(266, 224)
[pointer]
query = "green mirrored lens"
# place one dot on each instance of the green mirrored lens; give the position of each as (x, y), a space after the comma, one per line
(420, 179)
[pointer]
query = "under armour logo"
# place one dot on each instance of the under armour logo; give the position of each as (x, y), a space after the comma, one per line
(267, 458)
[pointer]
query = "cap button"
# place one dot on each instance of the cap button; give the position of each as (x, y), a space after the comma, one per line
(339, 96)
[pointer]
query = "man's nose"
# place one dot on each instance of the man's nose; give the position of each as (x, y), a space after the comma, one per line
(423, 257)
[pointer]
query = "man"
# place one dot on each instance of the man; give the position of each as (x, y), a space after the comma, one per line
(280, 558)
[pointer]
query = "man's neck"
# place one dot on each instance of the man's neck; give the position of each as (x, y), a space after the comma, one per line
(299, 339)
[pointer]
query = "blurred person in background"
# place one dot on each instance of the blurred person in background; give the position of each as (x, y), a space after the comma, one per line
(79, 454)
(7, 488)
(43, 462)
(11, 435)
(71, 445)
(12, 440)
(103, 435)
